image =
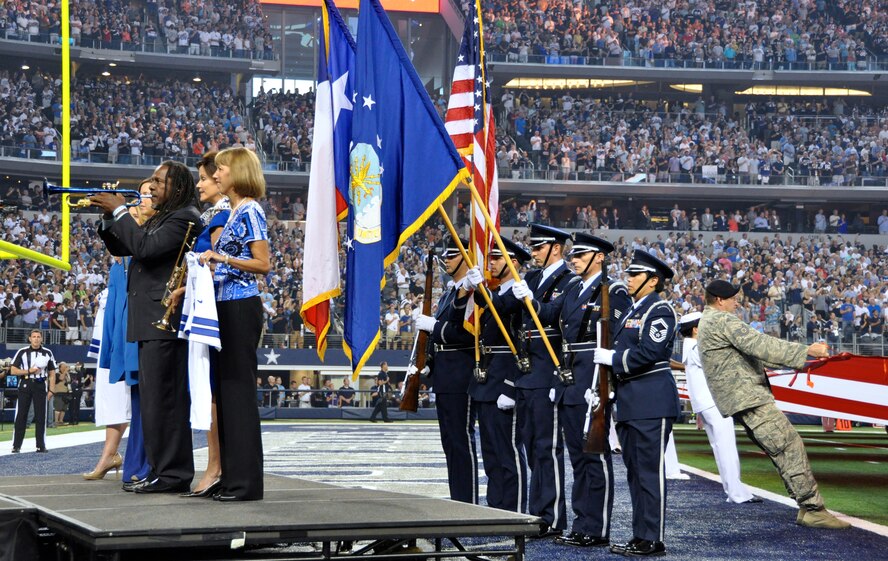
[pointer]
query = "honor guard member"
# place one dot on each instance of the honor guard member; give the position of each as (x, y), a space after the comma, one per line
(734, 356)
(494, 393)
(577, 313)
(646, 401)
(540, 424)
(452, 356)
(34, 364)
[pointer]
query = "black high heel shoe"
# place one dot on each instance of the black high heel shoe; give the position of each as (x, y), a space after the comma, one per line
(209, 491)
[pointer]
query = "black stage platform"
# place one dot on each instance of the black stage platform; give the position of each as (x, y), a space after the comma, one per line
(96, 520)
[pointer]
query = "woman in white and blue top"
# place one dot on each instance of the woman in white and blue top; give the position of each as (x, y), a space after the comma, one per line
(239, 254)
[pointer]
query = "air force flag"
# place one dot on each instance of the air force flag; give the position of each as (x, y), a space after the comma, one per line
(403, 165)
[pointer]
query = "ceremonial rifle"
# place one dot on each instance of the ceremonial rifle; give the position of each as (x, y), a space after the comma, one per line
(597, 431)
(410, 399)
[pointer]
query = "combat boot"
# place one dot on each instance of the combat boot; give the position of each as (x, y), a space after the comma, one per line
(822, 519)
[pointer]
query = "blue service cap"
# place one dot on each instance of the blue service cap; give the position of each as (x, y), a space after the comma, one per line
(452, 249)
(644, 262)
(541, 235)
(584, 243)
(515, 250)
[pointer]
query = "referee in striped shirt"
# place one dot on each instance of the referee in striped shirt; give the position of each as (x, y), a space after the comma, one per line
(33, 364)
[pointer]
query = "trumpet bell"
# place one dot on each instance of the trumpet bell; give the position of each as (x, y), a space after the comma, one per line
(164, 325)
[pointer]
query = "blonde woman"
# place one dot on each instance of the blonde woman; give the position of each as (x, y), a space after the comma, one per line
(239, 254)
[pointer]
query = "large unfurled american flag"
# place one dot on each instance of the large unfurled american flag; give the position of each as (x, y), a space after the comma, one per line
(469, 122)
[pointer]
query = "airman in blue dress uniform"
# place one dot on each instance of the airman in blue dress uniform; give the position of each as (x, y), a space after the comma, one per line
(646, 401)
(493, 388)
(577, 313)
(538, 416)
(452, 353)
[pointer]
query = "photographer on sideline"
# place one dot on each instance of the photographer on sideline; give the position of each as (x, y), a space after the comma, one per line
(76, 387)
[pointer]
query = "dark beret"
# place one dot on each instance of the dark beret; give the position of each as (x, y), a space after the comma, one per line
(722, 289)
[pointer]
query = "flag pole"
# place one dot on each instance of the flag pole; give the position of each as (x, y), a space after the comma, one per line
(528, 302)
(465, 255)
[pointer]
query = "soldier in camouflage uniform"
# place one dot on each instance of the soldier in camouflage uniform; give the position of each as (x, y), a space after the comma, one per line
(734, 357)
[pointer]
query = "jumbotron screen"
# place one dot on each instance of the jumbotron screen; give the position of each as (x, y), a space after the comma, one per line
(419, 6)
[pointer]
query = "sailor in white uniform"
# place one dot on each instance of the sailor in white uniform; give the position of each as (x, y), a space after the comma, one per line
(719, 430)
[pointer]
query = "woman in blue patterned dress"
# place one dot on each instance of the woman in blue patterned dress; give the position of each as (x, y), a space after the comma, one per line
(240, 253)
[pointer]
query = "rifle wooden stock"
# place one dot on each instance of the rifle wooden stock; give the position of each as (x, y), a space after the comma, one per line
(597, 437)
(410, 399)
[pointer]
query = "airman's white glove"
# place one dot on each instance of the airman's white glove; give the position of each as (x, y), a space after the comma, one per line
(591, 398)
(520, 290)
(552, 395)
(604, 356)
(426, 323)
(505, 402)
(411, 370)
(473, 279)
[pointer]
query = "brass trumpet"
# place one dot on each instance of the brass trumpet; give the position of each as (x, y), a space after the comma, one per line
(177, 279)
(82, 194)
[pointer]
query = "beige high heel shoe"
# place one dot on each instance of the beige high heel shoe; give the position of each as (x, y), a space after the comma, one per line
(97, 473)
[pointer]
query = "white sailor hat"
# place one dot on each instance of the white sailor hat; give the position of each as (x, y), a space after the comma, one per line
(690, 318)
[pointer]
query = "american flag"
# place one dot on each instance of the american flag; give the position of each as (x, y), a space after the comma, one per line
(469, 121)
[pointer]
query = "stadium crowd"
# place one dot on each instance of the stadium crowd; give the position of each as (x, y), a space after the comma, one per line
(554, 135)
(115, 120)
(203, 27)
(283, 122)
(616, 137)
(779, 34)
(563, 134)
(801, 286)
(152, 120)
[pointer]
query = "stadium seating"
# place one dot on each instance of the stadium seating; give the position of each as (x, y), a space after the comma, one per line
(784, 34)
(205, 28)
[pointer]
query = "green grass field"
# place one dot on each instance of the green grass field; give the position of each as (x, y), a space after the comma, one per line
(851, 467)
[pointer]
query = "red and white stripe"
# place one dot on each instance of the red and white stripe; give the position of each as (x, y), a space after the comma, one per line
(477, 145)
(853, 389)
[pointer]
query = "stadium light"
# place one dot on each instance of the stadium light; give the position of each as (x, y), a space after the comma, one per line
(569, 83)
(689, 88)
(25, 66)
(196, 78)
(802, 91)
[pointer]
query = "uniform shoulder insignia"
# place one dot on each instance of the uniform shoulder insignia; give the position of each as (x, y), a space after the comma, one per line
(618, 286)
(658, 330)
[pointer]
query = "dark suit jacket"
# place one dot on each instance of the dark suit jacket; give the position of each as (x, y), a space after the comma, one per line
(154, 253)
